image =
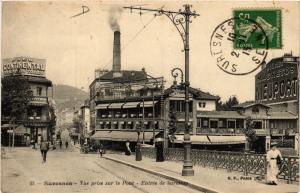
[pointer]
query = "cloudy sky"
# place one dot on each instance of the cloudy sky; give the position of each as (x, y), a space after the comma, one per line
(75, 47)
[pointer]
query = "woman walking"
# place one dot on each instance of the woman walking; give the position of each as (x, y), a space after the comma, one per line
(273, 156)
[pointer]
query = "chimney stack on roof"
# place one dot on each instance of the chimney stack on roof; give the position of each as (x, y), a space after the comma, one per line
(117, 54)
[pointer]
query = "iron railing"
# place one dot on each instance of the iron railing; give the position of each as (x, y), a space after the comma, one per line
(247, 163)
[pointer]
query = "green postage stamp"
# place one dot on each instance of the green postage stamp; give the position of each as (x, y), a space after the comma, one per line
(268, 22)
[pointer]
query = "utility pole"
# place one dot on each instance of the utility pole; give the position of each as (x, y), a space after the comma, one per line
(181, 20)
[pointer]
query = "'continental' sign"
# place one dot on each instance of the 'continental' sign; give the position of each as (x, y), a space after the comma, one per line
(277, 82)
(24, 65)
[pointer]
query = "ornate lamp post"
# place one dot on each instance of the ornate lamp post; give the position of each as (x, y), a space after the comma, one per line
(181, 20)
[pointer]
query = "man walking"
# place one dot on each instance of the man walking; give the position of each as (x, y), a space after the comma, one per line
(44, 149)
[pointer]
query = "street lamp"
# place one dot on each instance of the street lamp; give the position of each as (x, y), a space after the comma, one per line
(181, 20)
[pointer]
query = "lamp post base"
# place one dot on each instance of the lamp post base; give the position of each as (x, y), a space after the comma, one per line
(187, 164)
(138, 153)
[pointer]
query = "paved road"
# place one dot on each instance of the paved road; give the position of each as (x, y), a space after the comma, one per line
(69, 171)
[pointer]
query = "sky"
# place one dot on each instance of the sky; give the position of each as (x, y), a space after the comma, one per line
(75, 46)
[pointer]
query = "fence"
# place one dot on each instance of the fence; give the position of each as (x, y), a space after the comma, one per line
(247, 163)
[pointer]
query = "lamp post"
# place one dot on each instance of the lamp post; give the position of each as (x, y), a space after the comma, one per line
(181, 20)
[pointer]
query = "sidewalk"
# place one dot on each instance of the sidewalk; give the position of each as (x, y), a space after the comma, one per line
(205, 179)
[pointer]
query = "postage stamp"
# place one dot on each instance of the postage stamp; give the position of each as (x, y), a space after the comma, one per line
(269, 20)
(238, 61)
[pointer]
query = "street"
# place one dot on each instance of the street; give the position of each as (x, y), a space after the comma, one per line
(70, 171)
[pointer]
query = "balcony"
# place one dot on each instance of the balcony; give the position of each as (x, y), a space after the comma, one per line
(39, 100)
(281, 132)
(220, 131)
(262, 132)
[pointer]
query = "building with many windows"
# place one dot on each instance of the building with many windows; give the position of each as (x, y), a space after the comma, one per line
(36, 121)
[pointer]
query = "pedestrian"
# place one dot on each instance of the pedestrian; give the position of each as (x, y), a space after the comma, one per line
(60, 143)
(273, 161)
(44, 147)
(127, 149)
(101, 150)
(67, 143)
(159, 144)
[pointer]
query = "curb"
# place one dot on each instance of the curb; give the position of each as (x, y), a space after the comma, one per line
(188, 184)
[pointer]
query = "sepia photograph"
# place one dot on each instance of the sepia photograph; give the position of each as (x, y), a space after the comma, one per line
(147, 96)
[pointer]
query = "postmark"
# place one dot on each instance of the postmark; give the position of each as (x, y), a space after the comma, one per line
(237, 61)
(269, 20)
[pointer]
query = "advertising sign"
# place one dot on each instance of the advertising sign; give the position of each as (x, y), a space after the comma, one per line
(277, 82)
(24, 66)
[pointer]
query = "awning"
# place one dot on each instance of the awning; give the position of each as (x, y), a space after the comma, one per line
(115, 105)
(131, 105)
(148, 103)
(102, 106)
(122, 136)
(213, 140)
(20, 130)
(8, 126)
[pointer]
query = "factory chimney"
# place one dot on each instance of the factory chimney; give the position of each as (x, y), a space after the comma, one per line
(117, 55)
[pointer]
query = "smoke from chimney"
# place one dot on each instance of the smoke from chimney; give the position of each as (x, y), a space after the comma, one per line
(115, 13)
(117, 52)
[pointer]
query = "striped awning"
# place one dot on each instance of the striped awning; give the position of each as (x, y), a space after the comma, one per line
(115, 105)
(102, 106)
(212, 140)
(122, 136)
(131, 105)
(148, 103)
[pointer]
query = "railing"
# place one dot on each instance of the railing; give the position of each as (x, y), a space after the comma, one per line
(247, 163)
(220, 131)
(39, 99)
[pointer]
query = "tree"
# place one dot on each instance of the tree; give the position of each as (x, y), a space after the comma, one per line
(249, 131)
(16, 96)
(52, 121)
(172, 124)
(228, 105)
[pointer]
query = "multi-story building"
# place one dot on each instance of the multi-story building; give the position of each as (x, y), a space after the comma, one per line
(132, 105)
(36, 121)
(277, 85)
(85, 119)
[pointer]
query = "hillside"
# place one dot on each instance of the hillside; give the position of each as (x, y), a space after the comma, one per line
(68, 97)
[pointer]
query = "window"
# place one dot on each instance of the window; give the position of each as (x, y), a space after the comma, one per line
(222, 124)
(257, 124)
(231, 124)
(255, 110)
(198, 122)
(39, 91)
(204, 123)
(202, 104)
(213, 123)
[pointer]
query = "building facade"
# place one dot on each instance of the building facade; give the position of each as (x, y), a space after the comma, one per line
(35, 124)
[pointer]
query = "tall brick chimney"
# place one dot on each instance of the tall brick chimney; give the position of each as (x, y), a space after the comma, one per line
(117, 54)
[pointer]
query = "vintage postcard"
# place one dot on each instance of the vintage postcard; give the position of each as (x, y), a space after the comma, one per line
(150, 96)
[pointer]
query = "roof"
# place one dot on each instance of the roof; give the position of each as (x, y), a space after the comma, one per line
(220, 114)
(282, 115)
(198, 94)
(38, 79)
(127, 76)
(250, 104)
